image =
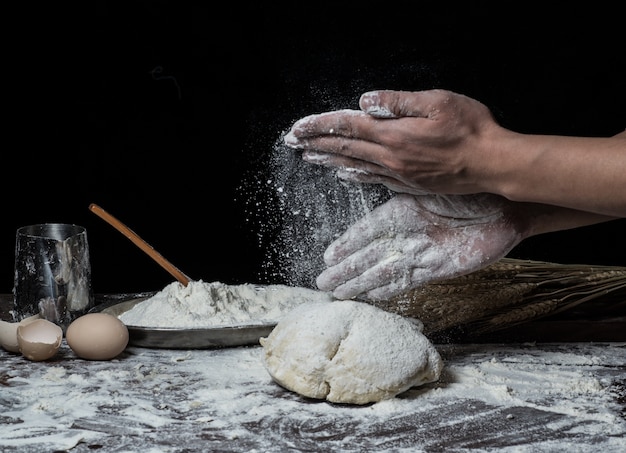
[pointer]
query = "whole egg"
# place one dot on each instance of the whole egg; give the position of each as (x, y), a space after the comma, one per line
(97, 336)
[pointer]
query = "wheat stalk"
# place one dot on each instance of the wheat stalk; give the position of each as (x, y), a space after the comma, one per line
(507, 293)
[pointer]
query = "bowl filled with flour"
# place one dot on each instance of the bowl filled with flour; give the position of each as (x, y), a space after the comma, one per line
(209, 314)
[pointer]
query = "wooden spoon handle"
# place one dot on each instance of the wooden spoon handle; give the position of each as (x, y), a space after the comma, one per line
(143, 245)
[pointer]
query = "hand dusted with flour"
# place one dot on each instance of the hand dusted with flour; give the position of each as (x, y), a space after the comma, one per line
(438, 141)
(412, 240)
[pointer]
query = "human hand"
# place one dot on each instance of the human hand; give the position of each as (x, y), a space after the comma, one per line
(412, 240)
(413, 142)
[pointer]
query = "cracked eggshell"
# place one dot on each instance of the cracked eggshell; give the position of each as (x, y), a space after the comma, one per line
(8, 333)
(97, 336)
(39, 340)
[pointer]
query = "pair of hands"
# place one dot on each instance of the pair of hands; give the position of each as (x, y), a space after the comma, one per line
(416, 144)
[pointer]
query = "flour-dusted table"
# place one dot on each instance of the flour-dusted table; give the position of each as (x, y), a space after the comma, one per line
(526, 396)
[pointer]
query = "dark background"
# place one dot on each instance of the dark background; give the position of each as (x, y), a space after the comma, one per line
(160, 111)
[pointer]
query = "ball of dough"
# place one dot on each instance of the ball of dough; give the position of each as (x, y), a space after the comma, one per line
(349, 352)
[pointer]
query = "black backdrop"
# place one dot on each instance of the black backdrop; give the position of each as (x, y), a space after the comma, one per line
(159, 111)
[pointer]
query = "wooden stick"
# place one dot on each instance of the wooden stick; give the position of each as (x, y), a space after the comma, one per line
(143, 245)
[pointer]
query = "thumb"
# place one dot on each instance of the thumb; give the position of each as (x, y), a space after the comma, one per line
(378, 104)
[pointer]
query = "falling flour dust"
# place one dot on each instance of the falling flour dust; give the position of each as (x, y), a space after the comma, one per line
(298, 209)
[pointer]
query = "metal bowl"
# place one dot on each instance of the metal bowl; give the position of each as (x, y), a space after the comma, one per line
(187, 338)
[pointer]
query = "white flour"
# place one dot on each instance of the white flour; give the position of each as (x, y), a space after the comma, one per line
(514, 398)
(203, 304)
(297, 209)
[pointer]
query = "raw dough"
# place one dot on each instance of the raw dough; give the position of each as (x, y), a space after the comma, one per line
(349, 352)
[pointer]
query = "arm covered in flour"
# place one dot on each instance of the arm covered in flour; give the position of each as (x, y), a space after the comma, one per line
(412, 240)
(438, 141)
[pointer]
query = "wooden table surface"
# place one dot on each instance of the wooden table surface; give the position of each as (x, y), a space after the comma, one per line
(521, 396)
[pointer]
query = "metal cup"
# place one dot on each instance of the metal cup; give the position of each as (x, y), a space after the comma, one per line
(52, 273)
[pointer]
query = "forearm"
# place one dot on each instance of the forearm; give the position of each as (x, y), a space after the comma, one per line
(533, 218)
(587, 174)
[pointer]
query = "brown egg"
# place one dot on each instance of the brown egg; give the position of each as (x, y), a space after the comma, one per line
(39, 339)
(97, 336)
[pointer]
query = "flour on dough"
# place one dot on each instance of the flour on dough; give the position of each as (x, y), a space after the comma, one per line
(349, 352)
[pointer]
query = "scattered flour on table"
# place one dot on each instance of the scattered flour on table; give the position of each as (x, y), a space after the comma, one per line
(204, 304)
(487, 393)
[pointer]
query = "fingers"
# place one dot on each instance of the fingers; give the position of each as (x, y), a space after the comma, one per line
(359, 150)
(375, 105)
(323, 131)
(397, 286)
(392, 220)
(411, 279)
(360, 271)
(390, 137)
(384, 261)
(340, 134)
(389, 268)
(358, 243)
(347, 166)
(396, 104)
(346, 123)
